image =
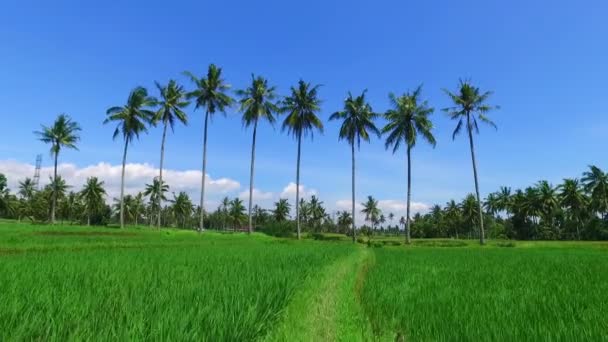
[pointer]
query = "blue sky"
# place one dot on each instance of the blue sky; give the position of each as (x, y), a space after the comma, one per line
(546, 61)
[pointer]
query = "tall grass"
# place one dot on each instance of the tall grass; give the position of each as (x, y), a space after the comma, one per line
(484, 294)
(209, 289)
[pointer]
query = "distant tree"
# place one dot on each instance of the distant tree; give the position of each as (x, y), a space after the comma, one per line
(225, 204)
(402, 222)
(470, 105)
(132, 119)
(595, 182)
(453, 215)
(470, 211)
(156, 193)
(62, 134)
(237, 212)
(211, 94)
(257, 102)
(4, 194)
(317, 212)
(408, 118)
(138, 207)
(27, 189)
(357, 119)
(260, 215)
(573, 199)
(281, 210)
(92, 195)
(344, 220)
(548, 202)
(172, 102)
(182, 208)
(371, 211)
(492, 204)
(56, 189)
(301, 107)
(503, 199)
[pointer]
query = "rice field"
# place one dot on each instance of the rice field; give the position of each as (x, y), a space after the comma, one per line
(79, 283)
(554, 292)
(209, 288)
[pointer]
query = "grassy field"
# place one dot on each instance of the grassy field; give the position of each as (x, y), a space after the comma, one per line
(75, 283)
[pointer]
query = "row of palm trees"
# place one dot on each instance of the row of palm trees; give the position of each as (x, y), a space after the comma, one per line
(408, 117)
(575, 209)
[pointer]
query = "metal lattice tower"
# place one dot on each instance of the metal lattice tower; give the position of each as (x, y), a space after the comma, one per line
(37, 171)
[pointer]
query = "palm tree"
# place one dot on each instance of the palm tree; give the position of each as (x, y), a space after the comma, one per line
(224, 210)
(171, 104)
(452, 213)
(301, 108)
(236, 212)
(281, 210)
(156, 192)
(259, 214)
(357, 123)
(127, 206)
(344, 220)
(316, 212)
(304, 214)
(257, 102)
(470, 210)
(210, 93)
(182, 208)
(470, 105)
(4, 194)
(371, 211)
(27, 189)
(138, 206)
(504, 200)
(402, 221)
(132, 120)
(492, 204)
(92, 194)
(572, 198)
(595, 182)
(548, 201)
(408, 118)
(62, 134)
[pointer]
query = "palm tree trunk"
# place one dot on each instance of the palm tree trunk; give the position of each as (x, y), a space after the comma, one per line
(122, 186)
(54, 206)
(409, 194)
(353, 191)
(202, 218)
(160, 176)
(472, 146)
(298, 185)
(255, 128)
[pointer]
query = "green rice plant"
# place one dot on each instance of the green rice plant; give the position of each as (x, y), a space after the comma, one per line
(488, 294)
(206, 287)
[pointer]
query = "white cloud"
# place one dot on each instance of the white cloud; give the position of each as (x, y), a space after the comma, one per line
(289, 192)
(258, 195)
(136, 177)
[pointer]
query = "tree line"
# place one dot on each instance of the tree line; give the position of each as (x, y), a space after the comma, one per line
(576, 209)
(407, 119)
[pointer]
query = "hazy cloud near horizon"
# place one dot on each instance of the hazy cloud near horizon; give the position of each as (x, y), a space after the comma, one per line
(137, 175)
